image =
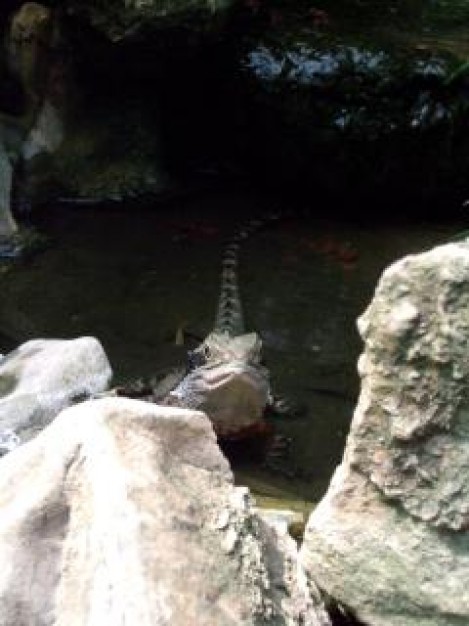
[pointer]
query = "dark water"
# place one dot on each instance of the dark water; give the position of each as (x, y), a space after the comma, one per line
(131, 278)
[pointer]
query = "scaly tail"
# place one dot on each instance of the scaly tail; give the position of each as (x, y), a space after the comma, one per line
(229, 318)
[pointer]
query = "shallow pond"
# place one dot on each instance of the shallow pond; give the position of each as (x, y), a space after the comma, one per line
(133, 277)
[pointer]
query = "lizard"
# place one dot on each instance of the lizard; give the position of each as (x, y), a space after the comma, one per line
(225, 376)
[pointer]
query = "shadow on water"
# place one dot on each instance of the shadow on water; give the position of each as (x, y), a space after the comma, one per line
(133, 277)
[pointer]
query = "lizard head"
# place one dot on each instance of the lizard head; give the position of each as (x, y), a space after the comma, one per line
(227, 382)
(223, 348)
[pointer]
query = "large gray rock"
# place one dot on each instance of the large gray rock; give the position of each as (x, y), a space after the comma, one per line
(43, 376)
(122, 511)
(390, 540)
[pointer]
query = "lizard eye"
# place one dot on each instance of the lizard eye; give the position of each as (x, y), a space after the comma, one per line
(197, 358)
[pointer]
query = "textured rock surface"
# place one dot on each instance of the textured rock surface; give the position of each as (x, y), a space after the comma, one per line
(32, 68)
(43, 376)
(22, 64)
(389, 539)
(8, 226)
(121, 19)
(121, 511)
(109, 153)
(323, 98)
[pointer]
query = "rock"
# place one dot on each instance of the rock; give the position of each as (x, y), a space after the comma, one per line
(320, 98)
(27, 43)
(389, 540)
(9, 440)
(35, 126)
(108, 153)
(47, 133)
(121, 511)
(126, 19)
(281, 520)
(8, 226)
(79, 140)
(91, 81)
(43, 376)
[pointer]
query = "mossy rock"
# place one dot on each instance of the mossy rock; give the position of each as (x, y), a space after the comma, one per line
(325, 107)
(123, 19)
(108, 154)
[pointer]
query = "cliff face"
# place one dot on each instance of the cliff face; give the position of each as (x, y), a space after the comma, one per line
(365, 98)
(354, 99)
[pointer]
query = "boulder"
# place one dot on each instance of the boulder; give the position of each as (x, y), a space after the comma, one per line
(389, 540)
(27, 44)
(43, 376)
(122, 511)
(33, 125)
(76, 138)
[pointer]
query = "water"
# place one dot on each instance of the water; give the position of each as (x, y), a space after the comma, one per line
(132, 277)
